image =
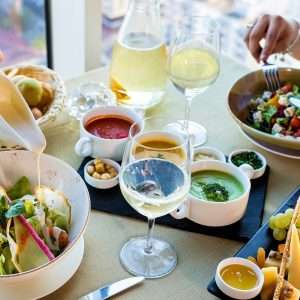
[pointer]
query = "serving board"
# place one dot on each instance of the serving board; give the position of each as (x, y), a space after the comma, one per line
(262, 238)
(112, 201)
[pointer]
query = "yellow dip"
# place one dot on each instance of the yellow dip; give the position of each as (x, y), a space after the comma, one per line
(239, 277)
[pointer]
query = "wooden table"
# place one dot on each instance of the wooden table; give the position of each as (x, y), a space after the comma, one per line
(198, 254)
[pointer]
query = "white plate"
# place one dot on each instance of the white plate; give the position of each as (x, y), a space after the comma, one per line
(290, 153)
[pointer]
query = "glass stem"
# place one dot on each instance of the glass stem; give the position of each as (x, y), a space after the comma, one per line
(188, 106)
(148, 248)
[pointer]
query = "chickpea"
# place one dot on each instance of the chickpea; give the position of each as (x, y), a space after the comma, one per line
(90, 169)
(112, 172)
(97, 161)
(109, 168)
(36, 113)
(105, 176)
(96, 175)
(100, 168)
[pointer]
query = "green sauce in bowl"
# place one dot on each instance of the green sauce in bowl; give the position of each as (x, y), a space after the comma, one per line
(215, 186)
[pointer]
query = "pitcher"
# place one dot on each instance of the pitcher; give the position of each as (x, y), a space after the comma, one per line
(138, 69)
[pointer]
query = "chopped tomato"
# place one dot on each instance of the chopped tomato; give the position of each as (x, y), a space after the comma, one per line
(295, 123)
(287, 88)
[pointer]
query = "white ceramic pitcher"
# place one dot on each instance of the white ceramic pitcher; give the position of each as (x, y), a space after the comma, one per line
(17, 124)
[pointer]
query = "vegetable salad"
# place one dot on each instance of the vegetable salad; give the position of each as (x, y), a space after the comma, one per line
(34, 226)
(277, 113)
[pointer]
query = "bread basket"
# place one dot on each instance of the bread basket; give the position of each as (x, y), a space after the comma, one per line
(49, 76)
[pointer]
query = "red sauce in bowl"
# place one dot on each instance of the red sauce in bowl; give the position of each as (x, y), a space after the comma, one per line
(109, 127)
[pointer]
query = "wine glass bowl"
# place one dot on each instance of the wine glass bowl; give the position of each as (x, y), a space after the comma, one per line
(193, 61)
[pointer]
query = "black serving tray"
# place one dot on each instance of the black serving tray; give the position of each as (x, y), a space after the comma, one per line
(112, 201)
(262, 238)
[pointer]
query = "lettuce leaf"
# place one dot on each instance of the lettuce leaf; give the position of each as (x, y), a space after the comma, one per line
(21, 188)
(8, 264)
(2, 261)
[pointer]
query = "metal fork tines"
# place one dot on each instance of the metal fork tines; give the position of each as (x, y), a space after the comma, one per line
(271, 75)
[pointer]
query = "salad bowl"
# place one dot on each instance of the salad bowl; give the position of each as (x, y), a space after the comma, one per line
(253, 85)
(55, 174)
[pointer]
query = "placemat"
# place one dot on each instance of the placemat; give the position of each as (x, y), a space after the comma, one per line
(112, 201)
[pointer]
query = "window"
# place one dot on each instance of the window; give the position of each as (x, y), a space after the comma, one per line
(23, 31)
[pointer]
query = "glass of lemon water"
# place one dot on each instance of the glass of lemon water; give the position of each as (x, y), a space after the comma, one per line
(193, 61)
(154, 180)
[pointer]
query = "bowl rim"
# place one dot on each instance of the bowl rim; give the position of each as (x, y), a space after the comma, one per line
(78, 236)
(245, 125)
(242, 197)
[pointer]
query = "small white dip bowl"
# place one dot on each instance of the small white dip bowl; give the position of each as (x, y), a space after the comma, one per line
(210, 151)
(102, 183)
(234, 292)
(253, 173)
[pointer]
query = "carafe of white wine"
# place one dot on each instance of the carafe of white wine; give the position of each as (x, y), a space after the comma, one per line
(138, 68)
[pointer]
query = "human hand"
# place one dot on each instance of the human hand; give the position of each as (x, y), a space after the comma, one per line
(279, 34)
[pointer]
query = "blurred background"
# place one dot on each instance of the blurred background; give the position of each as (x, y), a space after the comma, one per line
(23, 24)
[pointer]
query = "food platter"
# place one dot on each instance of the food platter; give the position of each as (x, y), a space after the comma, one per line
(263, 238)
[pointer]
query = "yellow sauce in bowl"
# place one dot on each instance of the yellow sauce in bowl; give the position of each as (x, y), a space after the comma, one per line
(239, 277)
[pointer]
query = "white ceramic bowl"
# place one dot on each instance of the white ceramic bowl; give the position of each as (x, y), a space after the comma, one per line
(47, 278)
(253, 173)
(237, 293)
(102, 183)
(219, 155)
(91, 145)
(212, 213)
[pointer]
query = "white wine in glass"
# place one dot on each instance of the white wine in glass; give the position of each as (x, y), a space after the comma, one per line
(154, 195)
(193, 62)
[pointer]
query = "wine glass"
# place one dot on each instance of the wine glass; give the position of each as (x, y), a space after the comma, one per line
(154, 180)
(193, 61)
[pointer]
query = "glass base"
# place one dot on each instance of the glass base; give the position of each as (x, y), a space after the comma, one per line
(160, 262)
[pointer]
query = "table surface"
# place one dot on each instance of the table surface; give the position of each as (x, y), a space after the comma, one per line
(198, 254)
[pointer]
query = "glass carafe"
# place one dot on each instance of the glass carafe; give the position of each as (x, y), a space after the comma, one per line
(138, 68)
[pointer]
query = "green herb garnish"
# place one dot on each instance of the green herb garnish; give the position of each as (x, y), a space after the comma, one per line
(250, 158)
(268, 113)
(21, 188)
(215, 192)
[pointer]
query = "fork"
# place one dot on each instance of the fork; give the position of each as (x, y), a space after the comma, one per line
(271, 75)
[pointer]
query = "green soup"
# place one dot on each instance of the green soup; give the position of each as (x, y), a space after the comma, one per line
(215, 186)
